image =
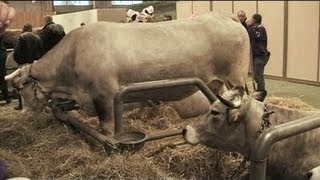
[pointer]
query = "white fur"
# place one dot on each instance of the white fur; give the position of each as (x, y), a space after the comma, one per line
(191, 135)
(315, 173)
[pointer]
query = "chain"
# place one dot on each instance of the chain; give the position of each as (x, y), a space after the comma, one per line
(265, 123)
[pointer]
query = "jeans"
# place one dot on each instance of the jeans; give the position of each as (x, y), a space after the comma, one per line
(259, 63)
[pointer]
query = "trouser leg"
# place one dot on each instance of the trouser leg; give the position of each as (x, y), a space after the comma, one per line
(258, 67)
(4, 90)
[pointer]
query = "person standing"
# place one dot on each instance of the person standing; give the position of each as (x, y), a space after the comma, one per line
(260, 54)
(242, 18)
(6, 17)
(51, 34)
(3, 72)
(28, 49)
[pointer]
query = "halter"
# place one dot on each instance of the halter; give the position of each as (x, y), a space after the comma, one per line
(36, 86)
(265, 124)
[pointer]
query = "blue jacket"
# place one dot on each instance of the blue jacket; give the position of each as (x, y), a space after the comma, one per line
(259, 40)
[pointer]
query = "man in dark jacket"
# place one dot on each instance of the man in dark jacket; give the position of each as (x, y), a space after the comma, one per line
(6, 17)
(260, 54)
(51, 33)
(29, 46)
(28, 49)
(3, 71)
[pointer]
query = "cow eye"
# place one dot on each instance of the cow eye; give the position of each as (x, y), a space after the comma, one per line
(214, 112)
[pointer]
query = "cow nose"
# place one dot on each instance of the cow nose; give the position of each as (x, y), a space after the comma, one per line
(190, 135)
(184, 131)
(309, 175)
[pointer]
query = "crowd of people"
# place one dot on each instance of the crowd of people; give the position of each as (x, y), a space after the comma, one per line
(30, 46)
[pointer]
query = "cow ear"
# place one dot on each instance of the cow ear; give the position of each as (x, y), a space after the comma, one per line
(216, 86)
(259, 95)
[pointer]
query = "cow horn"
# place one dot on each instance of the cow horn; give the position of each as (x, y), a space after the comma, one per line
(13, 75)
(229, 103)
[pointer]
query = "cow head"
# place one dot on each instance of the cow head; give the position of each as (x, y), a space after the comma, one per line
(145, 16)
(33, 97)
(132, 16)
(231, 123)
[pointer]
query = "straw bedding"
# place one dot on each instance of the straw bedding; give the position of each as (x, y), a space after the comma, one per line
(41, 147)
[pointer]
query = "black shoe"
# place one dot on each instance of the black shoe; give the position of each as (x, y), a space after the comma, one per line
(17, 107)
(8, 101)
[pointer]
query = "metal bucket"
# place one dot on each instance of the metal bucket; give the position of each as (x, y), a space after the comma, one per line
(134, 140)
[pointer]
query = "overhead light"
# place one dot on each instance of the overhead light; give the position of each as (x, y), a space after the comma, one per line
(33, 1)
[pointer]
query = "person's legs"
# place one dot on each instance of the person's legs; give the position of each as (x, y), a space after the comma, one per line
(4, 90)
(258, 67)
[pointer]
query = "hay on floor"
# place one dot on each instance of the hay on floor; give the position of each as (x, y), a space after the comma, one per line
(40, 147)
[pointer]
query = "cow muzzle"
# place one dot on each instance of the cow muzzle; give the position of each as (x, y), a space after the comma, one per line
(190, 135)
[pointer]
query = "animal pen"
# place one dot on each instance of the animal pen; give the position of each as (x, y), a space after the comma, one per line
(135, 140)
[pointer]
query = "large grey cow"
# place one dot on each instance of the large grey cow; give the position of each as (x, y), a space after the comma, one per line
(233, 122)
(91, 63)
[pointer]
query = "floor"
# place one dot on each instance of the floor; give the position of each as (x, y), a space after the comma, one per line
(307, 93)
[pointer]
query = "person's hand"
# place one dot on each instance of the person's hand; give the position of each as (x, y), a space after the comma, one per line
(7, 15)
(249, 22)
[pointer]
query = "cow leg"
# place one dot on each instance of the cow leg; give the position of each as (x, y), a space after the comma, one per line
(104, 109)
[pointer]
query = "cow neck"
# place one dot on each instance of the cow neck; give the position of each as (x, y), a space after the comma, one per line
(35, 83)
(252, 126)
(34, 80)
(265, 120)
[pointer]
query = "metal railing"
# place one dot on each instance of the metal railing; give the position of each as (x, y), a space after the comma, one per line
(152, 85)
(273, 135)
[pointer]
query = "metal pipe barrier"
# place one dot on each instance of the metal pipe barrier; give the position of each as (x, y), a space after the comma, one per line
(69, 118)
(152, 85)
(273, 135)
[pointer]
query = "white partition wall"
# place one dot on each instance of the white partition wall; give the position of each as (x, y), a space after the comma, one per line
(200, 7)
(303, 39)
(72, 21)
(293, 34)
(273, 19)
(222, 6)
(183, 9)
